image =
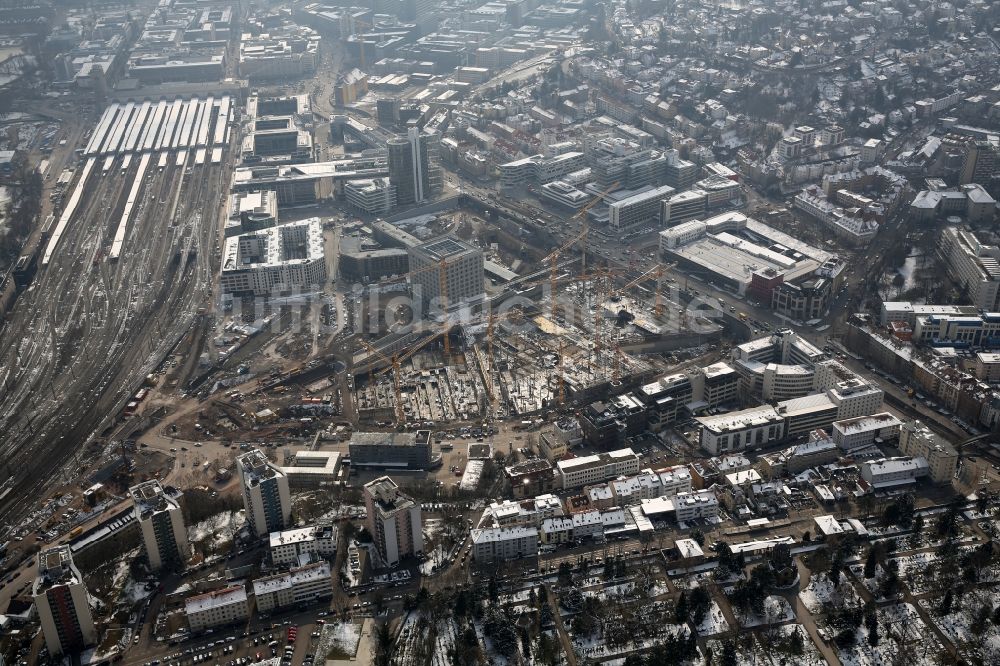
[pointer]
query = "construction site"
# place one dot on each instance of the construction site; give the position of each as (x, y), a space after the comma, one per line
(566, 336)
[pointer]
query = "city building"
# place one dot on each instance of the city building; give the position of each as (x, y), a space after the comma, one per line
(393, 519)
(372, 196)
(499, 544)
(639, 208)
(917, 440)
(585, 470)
(413, 167)
(300, 585)
(161, 522)
(61, 601)
(893, 472)
(446, 272)
(217, 608)
(392, 450)
(975, 265)
(265, 493)
(864, 431)
(534, 476)
(289, 547)
(276, 259)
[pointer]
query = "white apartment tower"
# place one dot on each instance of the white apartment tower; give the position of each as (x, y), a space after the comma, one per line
(393, 520)
(265, 493)
(161, 522)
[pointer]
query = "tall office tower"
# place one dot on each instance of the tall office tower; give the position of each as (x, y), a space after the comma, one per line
(387, 111)
(447, 269)
(413, 165)
(161, 522)
(393, 520)
(61, 601)
(265, 493)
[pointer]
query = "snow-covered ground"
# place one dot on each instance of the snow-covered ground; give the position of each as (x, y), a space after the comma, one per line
(810, 653)
(714, 621)
(446, 635)
(341, 635)
(820, 592)
(216, 530)
(899, 626)
(957, 625)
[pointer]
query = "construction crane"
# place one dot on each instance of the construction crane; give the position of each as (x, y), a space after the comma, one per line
(553, 258)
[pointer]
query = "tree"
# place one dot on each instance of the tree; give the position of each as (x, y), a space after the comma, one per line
(565, 573)
(728, 657)
(870, 563)
(946, 602)
(698, 536)
(699, 603)
(806, 536)
(682, 610)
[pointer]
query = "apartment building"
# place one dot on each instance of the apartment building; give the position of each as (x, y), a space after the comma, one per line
(266, 496)
(161, 523)
(394, 521)
(292, 546)
(863, 431)
(218, 608)
(917, 440)
(499, 544)
(301, 585)
(62, 604)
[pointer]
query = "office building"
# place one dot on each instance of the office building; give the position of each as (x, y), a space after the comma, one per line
(292, 546)
(917, 440)
(585, 470)
(974, 265)
(683, 206)
(265, 493)
(413, 167)
(218, 608)
(372, 196)
(393, 520)
(161, 522)
(446, 272)
(391, 450)
(297, 586)
(61, 601)
(639, 208)
(276, 259)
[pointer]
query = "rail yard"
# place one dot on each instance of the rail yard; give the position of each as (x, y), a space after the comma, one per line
(122, 277)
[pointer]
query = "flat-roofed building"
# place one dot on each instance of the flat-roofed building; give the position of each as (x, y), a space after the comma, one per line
(604, 466)
(161, 522)
(974, 264)
(217, 608)
(639, 208)
(389, 450)
(300, 585)
(917, 440)
(451, 263)
(266, 496)
(864, 431)
(62, 603)
(393, 520)
(275, 259)
(499, 544)
(289, 546)
(893, 472)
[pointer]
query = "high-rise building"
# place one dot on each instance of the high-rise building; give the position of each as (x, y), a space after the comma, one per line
(393, 520)
(61, 602)
(265, 493)
(413, 165)
(164, 536)
(447, 269)
(980, 163)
